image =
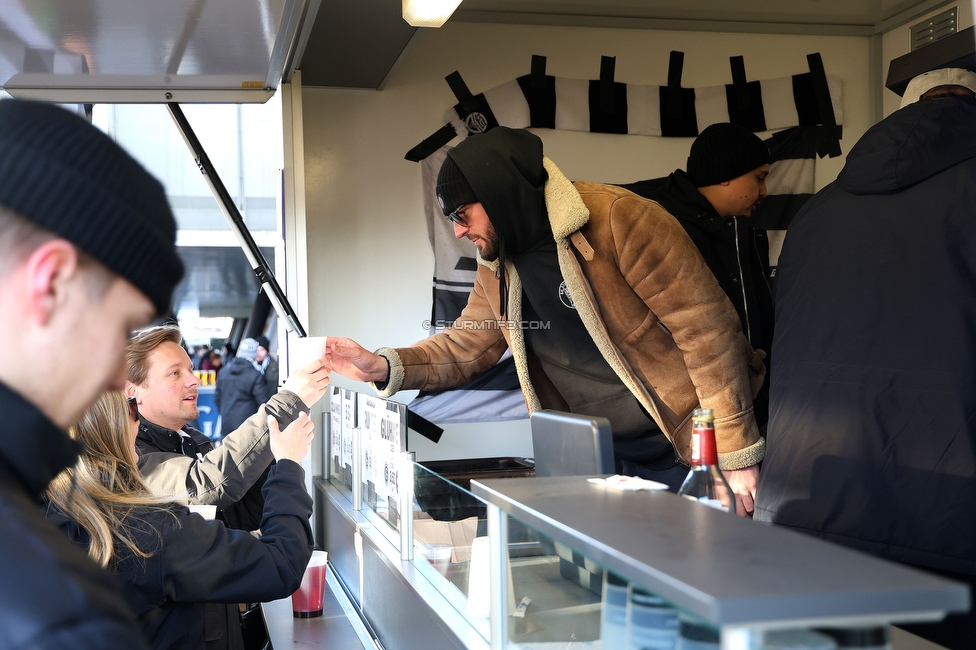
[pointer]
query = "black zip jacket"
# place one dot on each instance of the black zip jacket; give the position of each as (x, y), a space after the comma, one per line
(196, 561)
(51, 594)
(737, 255)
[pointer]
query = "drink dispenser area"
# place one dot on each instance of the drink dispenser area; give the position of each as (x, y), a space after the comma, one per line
(481, 553)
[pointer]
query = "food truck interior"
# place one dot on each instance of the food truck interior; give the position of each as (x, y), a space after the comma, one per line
(359, 107)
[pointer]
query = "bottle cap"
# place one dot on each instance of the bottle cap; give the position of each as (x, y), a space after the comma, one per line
(703, 414)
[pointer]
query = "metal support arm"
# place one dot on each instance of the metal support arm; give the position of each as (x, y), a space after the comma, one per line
(254, 255)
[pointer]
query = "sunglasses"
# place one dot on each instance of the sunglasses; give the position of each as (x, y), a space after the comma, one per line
(457, 217)
(133, 408)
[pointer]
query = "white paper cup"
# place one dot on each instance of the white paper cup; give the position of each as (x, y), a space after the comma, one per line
(207, 512)
(304, 351)
(440, 556)
(479, 583)
(613, 618)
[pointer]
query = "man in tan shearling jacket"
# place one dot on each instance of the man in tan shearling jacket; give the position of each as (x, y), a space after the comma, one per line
(605, 303)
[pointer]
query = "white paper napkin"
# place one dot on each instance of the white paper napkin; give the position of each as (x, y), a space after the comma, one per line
(618, 482)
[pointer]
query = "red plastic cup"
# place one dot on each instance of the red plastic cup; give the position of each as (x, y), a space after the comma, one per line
(307, 601)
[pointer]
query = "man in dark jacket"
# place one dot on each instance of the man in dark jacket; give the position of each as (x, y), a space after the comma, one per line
(713, 201)
(177, 460)
(872, 429)
(241, 387)
(87, 254)
(268, 363)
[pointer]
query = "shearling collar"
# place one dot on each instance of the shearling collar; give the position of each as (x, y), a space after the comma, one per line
(567, 211)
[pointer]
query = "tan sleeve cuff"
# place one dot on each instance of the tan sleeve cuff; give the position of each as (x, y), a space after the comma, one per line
(745, 457)
(395, 380)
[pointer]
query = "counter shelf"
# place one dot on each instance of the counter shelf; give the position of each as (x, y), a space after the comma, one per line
(738, 576)
(403, 601)
(564, 586)
(442, 574)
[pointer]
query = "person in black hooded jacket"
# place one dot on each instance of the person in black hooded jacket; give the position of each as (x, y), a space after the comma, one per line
(872, 429)
(170, 560)
(241, 387)
(87, 254)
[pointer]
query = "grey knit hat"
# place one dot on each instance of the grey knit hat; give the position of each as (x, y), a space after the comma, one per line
(453, 189)
(725, 151)
(70, 178)
(248, 349)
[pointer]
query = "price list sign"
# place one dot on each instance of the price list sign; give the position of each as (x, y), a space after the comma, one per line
(342, 412)
(349, 398)
(383, 423)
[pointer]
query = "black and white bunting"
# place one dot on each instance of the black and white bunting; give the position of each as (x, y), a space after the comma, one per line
(804, 109)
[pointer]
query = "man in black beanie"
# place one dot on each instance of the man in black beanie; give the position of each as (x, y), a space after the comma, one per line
(87, 254)
(713, 200)
(268, 363)
(605, 304)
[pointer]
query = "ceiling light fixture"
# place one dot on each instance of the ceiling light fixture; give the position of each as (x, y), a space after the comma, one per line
(428, 13)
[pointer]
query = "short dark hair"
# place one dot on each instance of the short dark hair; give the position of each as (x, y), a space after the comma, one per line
(19, 237)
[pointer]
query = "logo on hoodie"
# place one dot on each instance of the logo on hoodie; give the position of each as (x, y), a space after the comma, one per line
(476, 122)
(564, 296)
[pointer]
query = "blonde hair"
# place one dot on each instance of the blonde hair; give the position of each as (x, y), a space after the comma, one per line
(103, 492)
(142, 345)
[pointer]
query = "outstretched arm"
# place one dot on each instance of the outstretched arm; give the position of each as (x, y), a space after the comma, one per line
(355, 362)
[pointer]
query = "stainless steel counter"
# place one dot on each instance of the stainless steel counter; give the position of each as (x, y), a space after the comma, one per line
(339, 626)
(726, 569)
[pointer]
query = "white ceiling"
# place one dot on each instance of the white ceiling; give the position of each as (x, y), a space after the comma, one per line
(865, 13)
(357, 47)
(146, 46)
(180, 50)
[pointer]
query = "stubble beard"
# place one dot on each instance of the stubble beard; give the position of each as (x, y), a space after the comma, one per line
(490, 251)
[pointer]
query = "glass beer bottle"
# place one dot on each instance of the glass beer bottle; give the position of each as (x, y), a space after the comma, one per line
(705, 482)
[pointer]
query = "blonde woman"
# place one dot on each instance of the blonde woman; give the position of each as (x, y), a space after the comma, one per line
(172, 561)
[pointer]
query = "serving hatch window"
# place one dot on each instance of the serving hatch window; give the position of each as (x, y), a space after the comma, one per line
(244, 142)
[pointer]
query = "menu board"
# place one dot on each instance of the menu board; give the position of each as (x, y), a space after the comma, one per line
(383, 424)
(342, 409)
(335, 432)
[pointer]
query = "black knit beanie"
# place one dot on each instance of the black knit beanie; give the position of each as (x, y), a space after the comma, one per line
(70, 178)
(725, 151)
(453, 190)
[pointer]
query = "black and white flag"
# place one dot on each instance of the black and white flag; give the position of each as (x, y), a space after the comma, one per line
(804, 108)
